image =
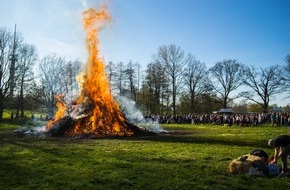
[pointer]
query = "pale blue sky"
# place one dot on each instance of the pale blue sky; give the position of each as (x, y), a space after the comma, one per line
(255, 32)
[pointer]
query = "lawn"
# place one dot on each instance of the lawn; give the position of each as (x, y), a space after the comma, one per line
(189, 157)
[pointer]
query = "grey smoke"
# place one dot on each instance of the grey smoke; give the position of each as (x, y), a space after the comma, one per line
(136, 117)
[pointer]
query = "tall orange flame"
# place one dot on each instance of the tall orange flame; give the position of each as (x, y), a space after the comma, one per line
(104, 117)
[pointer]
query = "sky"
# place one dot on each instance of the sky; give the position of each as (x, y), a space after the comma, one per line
(254, 32)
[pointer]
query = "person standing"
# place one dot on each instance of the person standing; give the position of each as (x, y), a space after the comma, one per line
(281, 145)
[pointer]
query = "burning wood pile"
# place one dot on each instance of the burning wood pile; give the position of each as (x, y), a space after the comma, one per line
(95, 112)
(76, 121)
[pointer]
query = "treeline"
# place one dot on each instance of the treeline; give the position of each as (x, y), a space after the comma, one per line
(177, 83)
(173, 82)
(28, 82)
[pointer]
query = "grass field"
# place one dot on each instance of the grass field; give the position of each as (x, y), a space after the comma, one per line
(189, 157)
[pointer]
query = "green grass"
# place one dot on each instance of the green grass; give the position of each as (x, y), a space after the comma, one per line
(27, 113)
(190, 157)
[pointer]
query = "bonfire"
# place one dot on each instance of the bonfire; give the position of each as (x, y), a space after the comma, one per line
(94, 112)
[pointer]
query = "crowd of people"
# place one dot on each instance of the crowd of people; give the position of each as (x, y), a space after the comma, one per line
(240, 119)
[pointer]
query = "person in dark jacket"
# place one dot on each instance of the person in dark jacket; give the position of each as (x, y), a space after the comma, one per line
(281, 145)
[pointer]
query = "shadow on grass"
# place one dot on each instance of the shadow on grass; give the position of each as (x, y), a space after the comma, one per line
(185, 138)
(36, 144)
(15, 174)
(171, 137)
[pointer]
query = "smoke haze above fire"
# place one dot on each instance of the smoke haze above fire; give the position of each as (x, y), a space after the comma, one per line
(255, 32)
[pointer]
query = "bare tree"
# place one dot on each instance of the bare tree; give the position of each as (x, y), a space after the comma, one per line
(124, 79)
(196, 81)
(15, 48)
(157, 82)
(51, 70)
(144, 99)
(119, 78)
(9, 47)
(26, 58)
(173, 60)
(131, 72)
(70, 84)
(5, 37)
(226, 77)
(265, 84)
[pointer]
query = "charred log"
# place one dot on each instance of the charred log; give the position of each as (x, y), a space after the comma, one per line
(61, 127)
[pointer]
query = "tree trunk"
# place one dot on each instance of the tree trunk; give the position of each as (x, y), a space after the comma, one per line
(21, 98)
(192, 104)
(1, 105)
(265, 107)
(173, 96)
(225, 103)
(17, 112)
